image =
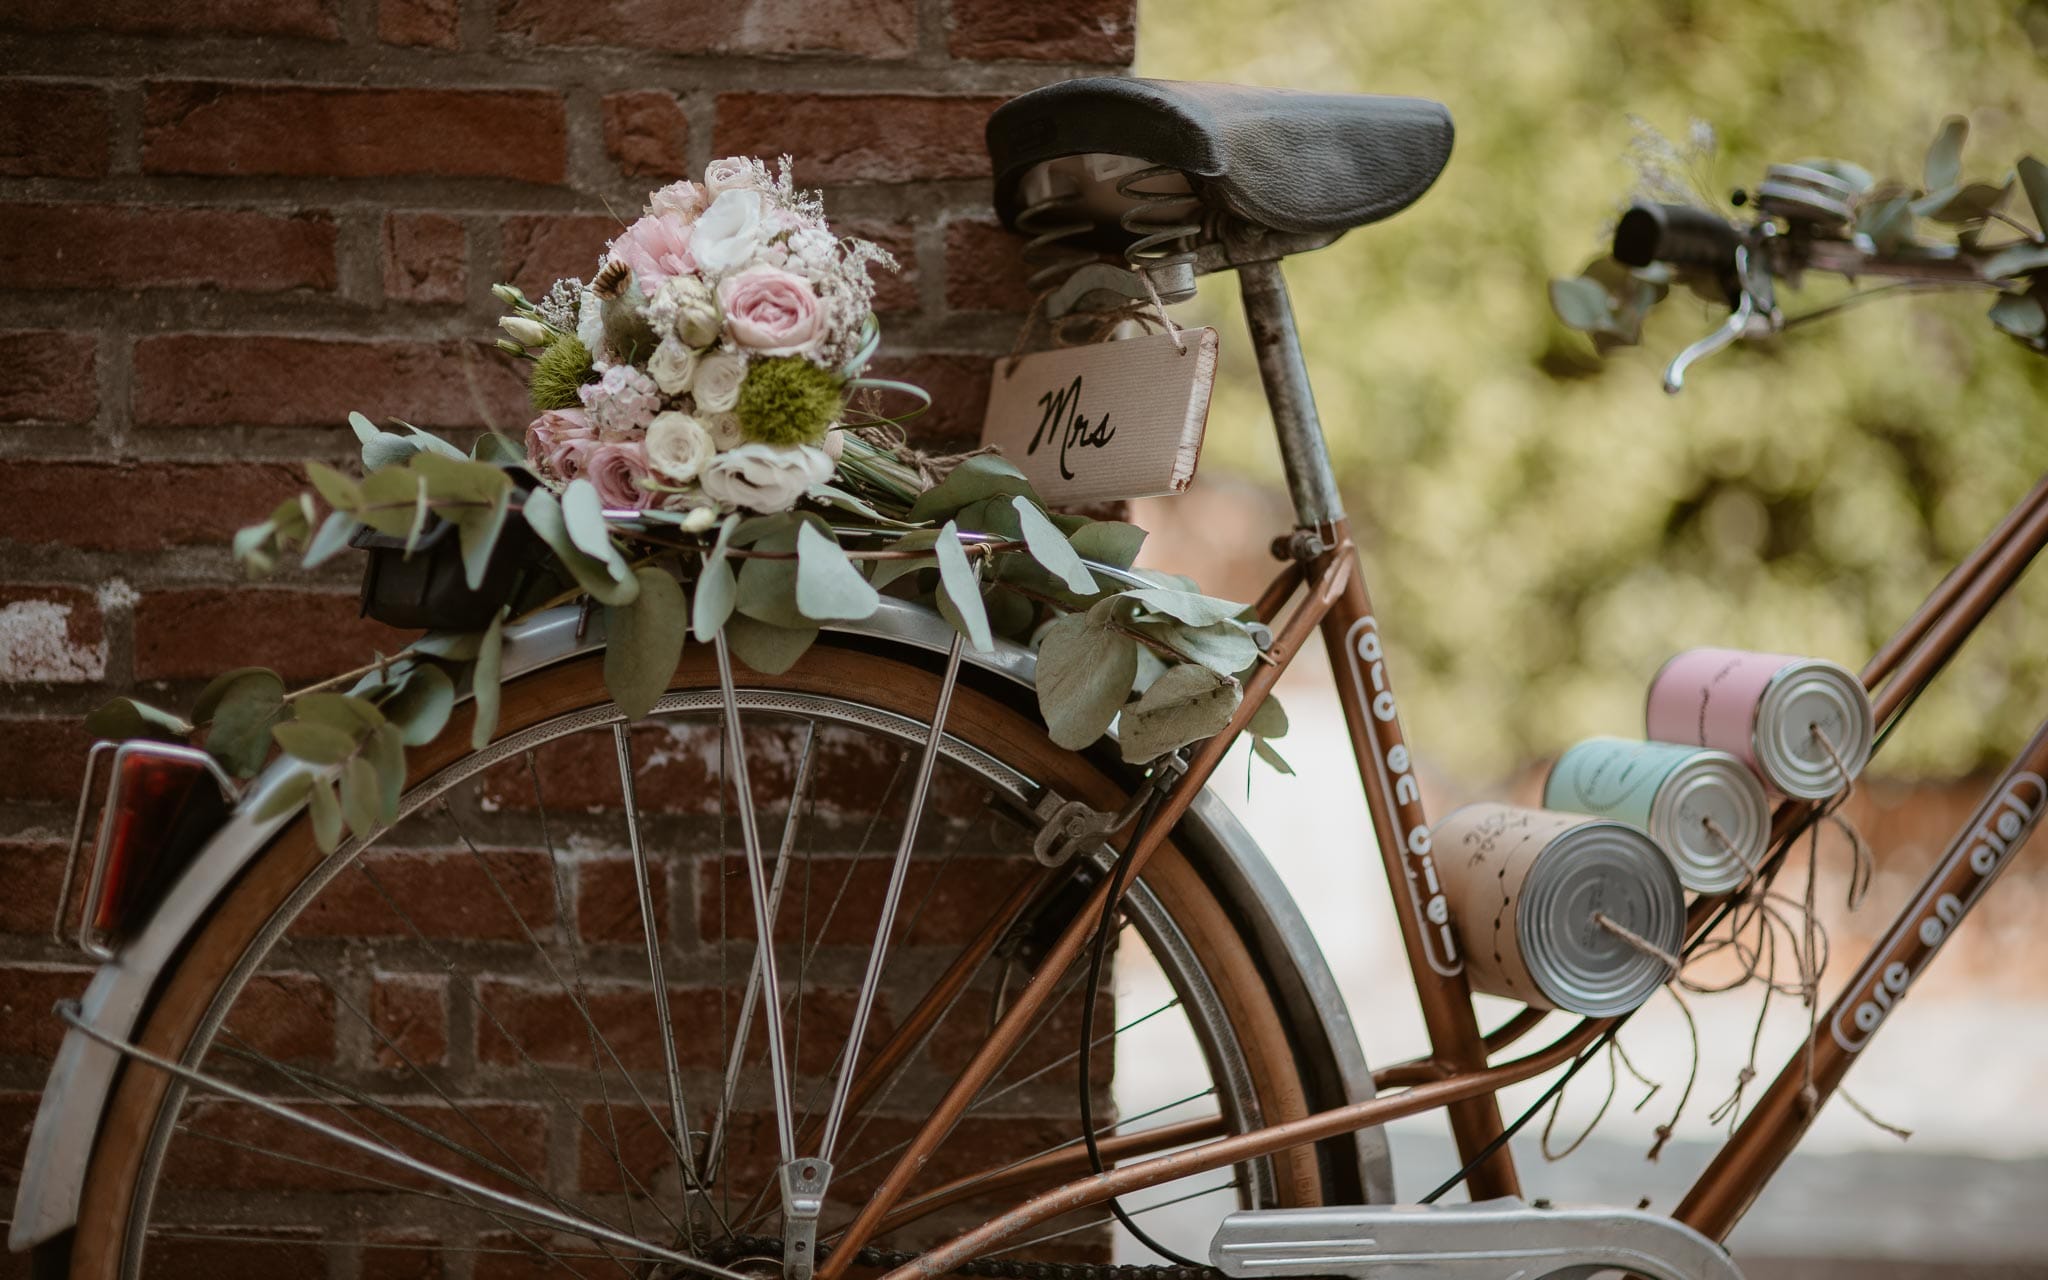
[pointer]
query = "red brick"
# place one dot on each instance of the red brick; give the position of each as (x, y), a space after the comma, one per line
(869, 28)
(985, 268)
(269, 1253)
(43, 760)
(17, 1117)
(206, 127)
(204, 379)
(646, 131)
(403, 1255)
(53, 130)
(517, 1258)
(163, 504)
(312, 19)
(411, 1012)
(960, 898)
(286, 1016)
(895, 291)
(426, 258)
(608, 900)
(49, 377)
(128, 247)
(445, 895)
(855, 138)
(539, 249)
(33, 870)
(959, 388)
(51, 634)
(1044, 30)
(432, 24)
(324, 1164)
(27, 993)
(302, 635)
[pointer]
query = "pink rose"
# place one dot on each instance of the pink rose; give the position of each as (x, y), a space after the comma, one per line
(772, 312)
(655, 248)
(554, 428)
(569, 458)
(684, 200)
(615, 470)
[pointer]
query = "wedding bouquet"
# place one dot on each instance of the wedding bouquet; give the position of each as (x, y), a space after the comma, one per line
(706, 366)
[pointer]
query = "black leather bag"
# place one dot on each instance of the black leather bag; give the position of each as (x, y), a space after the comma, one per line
(428, 590)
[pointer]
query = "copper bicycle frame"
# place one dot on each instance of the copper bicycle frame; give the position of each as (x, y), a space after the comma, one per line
(1457, 1075)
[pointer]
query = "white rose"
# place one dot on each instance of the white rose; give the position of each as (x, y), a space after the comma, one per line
(733, 173)
(678, 446)
(719, 376)
(729, 234)
(672, 366)
(765, 477)
(725, 430)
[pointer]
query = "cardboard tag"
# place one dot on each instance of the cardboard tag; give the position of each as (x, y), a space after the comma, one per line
(1106, 421)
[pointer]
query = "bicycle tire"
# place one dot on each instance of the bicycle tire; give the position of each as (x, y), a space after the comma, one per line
(143, 1105)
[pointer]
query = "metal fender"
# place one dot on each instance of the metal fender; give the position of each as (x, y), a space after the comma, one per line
(81, 1080)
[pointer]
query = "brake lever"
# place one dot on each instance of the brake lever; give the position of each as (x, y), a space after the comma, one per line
(1756, 314)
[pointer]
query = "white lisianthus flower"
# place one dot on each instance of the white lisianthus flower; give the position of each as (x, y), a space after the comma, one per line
(719, 375)
(725, 430)
(733, 173)
(765, 477)
(678, 447)
(835, 444)
(699, 519)
(672, 366)
(730, 233)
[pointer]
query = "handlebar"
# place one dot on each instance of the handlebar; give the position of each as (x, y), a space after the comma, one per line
(1678, 234)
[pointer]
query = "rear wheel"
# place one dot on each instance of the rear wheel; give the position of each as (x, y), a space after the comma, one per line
(470, 993)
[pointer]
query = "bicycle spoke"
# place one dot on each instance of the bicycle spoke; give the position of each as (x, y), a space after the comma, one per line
(237, 1235)
(1231, 1185)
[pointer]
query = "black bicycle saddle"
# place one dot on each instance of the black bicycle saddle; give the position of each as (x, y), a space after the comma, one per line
(1283, 159)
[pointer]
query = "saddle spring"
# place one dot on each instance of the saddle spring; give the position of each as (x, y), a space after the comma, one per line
(1049, 223)
(1165, 224)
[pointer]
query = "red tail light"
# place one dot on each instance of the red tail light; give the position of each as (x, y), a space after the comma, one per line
(162, 804)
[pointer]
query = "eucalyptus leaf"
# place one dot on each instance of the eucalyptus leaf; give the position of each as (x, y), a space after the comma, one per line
(1084, 675)
(978, 478)
(498, 449)
(207, 704)
(457, 479)
(1269, 721)
(712, 602)
(421, 707)
(1945, 158)
(583, 513)
(2019, 314)
(1185, 606)
(1971, 203)
(429, 443)
(288, 794)
(963, 590)
(388, 450)
(452, 646)
(343, 711)
(390, 500)
(340, 492)
(242, 718)
(1888, 222)
(1278, 763)
(1110, 542)
(828, 587)
(1009, 614)
(2017, 260)
(1582, 304)
(483, 682)
(421, 513)
(2033, 177)
(479, 530)
(326, 815)
(765, 647)
(767, 588)
(313, 742)
(1224, 647)
(386, 753)
(331, 539)
(255, 548)
(606, 578)
(359, 801)
(644, 642)
(122, 718)
(1050, 548)
(1185, 705)
(884, 572)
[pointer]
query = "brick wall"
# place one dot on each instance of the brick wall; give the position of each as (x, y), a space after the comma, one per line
(226, 223)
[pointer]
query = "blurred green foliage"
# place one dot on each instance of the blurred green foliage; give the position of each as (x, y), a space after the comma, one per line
(1543, 528)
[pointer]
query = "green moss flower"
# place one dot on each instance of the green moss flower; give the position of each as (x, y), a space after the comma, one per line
(788, 400)
(558, 371)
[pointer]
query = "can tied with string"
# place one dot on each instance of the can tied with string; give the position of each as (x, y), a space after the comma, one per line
(1559, 910)
(1803, 725)
(1703, 806)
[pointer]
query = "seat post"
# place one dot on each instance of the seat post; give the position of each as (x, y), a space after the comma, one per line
(1317, 504)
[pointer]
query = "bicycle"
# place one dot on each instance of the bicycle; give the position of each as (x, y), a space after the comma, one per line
(557, 1080)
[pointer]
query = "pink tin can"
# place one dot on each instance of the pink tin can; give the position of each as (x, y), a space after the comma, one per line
(1763, 709)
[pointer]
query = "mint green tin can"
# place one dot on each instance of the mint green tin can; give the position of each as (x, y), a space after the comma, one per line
(1703, 807)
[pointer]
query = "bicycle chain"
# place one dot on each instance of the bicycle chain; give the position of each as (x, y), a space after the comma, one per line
(727, 1251)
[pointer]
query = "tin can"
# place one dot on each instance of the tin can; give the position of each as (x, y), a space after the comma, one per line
(1762, 708)
(1525, 886)
(1703, 806)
